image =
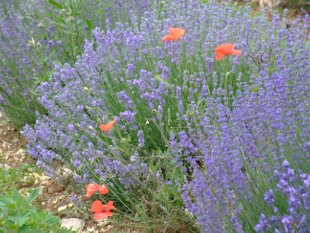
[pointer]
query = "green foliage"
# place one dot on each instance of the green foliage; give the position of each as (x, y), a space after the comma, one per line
(19, 178)
(67, 17)
(295, 4)
(17, 214)
(155, 205)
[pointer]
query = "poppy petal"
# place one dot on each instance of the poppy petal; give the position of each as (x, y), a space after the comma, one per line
(236, 52)
(102, 189)
(174, 34)
(102, 215)
(97, 206)
(219, 56)
(171, 31)
(165, 38)
(180, 33)
(107, 127)
(109, 206)
(226, 49)
(90, 190)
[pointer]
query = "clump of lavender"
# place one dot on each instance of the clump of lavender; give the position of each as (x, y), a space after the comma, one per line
(231, 158)
(35, 35)
(235, 147)
(230, 123)
(21, 60)
(296, 191)
(127, 72)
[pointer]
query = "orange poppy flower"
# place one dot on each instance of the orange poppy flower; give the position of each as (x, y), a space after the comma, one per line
(224, 50)
(174, 34)
(97, 206)
(92, 188)
(102, 215)
(107, 127)
(109, 206)
(102, 212)
(102, 189)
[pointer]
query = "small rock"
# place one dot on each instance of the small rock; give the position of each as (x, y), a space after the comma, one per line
(62, 208)
(21, 152)
(67, 171)
(74, 224)
(89, 229)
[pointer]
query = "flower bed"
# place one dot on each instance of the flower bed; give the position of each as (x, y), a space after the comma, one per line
(209, 115)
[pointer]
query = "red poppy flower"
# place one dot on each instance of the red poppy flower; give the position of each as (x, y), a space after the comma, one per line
(97, 206)
(225, 50)
(107, 127)
(174, 34)
(102, 212)
(92, 188)
(102, 189)
(102, 215)
(109, 206)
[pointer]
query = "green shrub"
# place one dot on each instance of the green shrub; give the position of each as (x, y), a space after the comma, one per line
(11, 178)
(17, 214)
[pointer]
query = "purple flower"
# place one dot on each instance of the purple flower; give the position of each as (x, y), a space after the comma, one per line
(269, 197)
(140, 138)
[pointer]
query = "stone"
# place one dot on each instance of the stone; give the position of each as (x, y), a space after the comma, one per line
(66, 171)
(90, 229)
(62, 208)
(74, 224)
(21, 151)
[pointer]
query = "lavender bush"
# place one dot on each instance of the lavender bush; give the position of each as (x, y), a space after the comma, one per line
(21, 61)
(238, 154)
(127, 72)
(37, 34)
(225, 127)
